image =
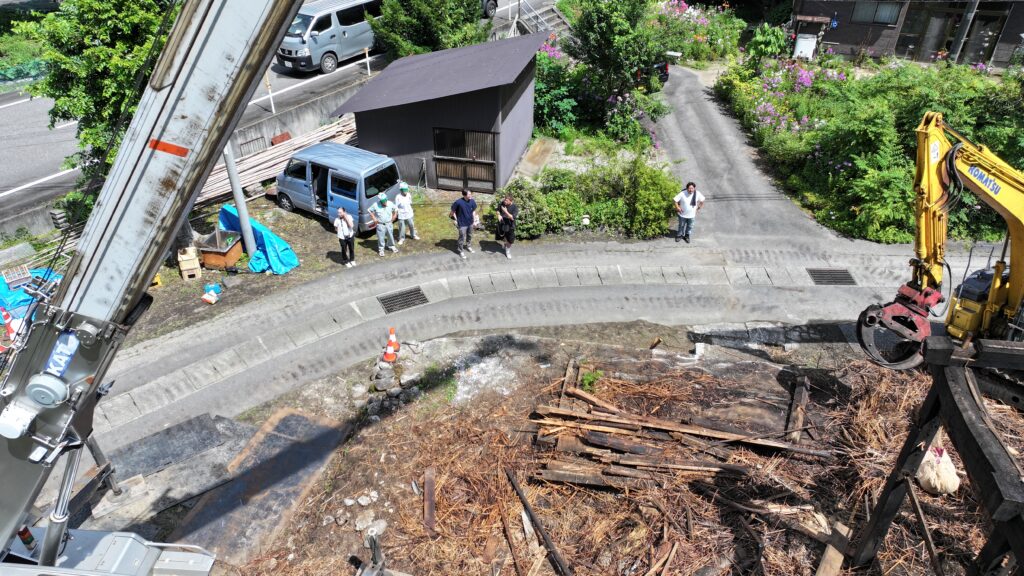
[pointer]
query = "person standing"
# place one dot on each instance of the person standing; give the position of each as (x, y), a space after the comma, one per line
(384, 214)
(404, 203)
(346, 237)
(688, 202)
(507, 214)
(464, 214)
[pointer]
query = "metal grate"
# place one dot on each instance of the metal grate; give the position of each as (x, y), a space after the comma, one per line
(831, 277)
(403, 300)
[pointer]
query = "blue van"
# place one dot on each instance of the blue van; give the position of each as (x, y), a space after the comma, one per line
(326, 176)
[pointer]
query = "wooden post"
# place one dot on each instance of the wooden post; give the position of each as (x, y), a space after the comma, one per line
(797, 410)
(429, 502)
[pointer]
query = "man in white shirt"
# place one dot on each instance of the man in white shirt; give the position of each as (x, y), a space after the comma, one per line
(404, 203)
(688, 202)
(346, 237)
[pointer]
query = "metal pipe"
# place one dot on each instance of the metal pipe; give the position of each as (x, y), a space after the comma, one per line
(243, 211)
(101, 461)
(58, 525)
(962, 30)
(929, 544)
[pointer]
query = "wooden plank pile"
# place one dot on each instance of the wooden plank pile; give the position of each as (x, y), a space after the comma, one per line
(266, 164)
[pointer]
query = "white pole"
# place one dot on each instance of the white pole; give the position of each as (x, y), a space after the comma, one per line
(266, 79)
(248, 240)
(366, 56)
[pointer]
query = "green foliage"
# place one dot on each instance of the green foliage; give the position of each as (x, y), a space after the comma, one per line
(408, 27)
(93, 50)
(648, 199)
(19, 58)
(768, 42)
(21, 235)
(613, 40)
(533, 216)
(570, 9)
(76, 205)
(845, 148)
(699, 33)
(590, 378)
(779, 14)
(554, 104)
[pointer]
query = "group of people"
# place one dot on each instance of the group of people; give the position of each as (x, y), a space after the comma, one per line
(464, 212)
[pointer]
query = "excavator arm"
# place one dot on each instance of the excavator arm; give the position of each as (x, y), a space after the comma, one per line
(893, 334)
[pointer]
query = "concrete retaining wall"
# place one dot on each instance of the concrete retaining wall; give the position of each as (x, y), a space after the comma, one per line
(37, 220)
(299, 120)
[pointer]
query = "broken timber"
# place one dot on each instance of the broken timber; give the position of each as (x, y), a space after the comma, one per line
(429, 502)
(954, 402)
(797, 410)
(617, 424)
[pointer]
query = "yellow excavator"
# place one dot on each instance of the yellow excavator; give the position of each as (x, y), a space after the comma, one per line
(987, 304)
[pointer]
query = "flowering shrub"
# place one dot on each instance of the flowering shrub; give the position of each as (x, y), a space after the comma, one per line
(699, 33)
(554, 105)
(845, 147)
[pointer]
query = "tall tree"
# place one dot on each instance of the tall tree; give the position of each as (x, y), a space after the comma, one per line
(615, 40)
(93, 52)
(408, 27)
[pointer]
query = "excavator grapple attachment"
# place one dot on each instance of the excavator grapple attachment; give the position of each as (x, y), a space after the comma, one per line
(893, 335)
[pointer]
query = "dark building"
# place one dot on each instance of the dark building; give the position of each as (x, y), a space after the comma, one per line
(453, 118)
(921, 31)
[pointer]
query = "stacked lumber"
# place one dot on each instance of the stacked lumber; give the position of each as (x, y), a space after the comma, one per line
(266, 164)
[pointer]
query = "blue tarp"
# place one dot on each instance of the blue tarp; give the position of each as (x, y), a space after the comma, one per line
(272, 253)
(16, 301)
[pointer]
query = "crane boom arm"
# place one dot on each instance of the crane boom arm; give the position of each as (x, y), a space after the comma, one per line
(207, 72)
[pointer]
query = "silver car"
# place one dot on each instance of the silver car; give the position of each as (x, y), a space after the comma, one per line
(325, 32)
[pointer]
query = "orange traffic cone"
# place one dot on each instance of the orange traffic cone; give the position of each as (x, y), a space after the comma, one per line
(389, 354)
(392, 340)
(10, 331)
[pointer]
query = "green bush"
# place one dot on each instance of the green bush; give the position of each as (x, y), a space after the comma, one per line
(554, 103)
(533, 213)
(768, 42)
(845, 147)
(648, 199)
(19, 57)
(77, 205)
(699, 33)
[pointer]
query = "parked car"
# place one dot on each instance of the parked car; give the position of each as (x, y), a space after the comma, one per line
(490, 7)
(323, 177)
(325, 32)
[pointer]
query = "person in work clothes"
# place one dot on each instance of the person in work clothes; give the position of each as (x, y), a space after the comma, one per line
(384, 214)
(346, 237)
(688, 202)
(507, 214)
(404, 203)
(464, 214)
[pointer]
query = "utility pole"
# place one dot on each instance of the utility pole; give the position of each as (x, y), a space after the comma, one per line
(962, 30)
(249, 241)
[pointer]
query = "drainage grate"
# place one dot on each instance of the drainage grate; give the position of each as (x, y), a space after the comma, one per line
(831, 277)
(402, 300)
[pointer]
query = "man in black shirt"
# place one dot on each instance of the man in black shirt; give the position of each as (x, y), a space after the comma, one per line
(464, 214)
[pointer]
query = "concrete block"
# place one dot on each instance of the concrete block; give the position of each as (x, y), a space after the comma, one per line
(779, 276)
(16, 252)
(481, 284)
(737, 276)
(459, 286)
(202, 374)
(435, 290)
(631, 274)
(119, 409)
(502, 282)
(227, 363)
(772, 333)
(673, 275)
(546, 277)
(705, 275)
(346, 317)
(758, 276)
(799, 276)
(610, 275)
(324, 326)
(161, 392)
(567, 277)
(524, 279)
(369, 308)
(588, 276)
(303, 334)
(653, 275)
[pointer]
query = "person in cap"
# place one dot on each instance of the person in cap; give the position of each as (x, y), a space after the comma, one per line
(346, 237)
(464, 214)
(688, 202)
(384, 215)
(404, 203)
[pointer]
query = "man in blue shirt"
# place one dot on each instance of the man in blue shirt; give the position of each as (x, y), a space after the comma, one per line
(464, 214)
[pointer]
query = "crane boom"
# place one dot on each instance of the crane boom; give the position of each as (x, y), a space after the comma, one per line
(206, 74)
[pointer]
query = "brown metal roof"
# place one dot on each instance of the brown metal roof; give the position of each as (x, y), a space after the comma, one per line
(445, 73)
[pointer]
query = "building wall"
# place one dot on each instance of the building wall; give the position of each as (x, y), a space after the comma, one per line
(516, 123)
(1010, 38)
(406, 133)
(875, 39)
